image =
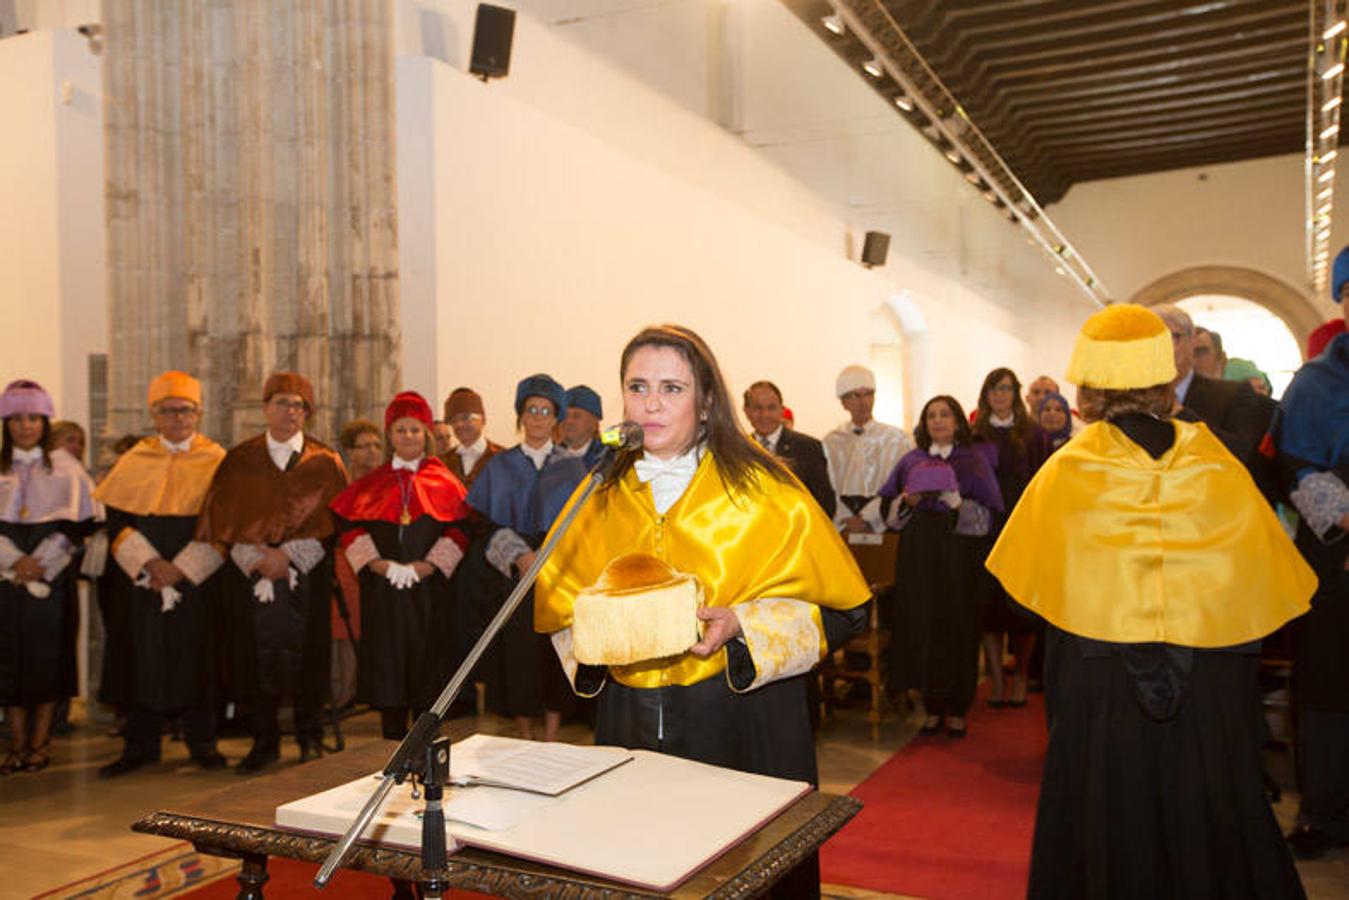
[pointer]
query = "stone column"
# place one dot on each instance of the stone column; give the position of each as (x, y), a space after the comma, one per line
(252, 220)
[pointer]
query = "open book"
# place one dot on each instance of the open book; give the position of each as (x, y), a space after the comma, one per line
(529, 765)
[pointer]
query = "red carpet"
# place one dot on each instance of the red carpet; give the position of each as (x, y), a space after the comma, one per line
(948, 818)
(290, 878)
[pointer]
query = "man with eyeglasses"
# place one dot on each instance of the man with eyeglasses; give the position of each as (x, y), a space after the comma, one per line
(861, 453)
(269, 504)
(1230, 409)
(465, 416)
(159, 657)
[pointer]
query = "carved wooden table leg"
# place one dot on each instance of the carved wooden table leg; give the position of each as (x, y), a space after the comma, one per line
(252, 877)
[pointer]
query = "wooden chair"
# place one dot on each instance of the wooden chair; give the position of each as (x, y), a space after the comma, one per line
(875, 554)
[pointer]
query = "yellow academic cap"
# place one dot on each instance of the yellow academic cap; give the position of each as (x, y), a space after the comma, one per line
(1121, 347)
(174, 384)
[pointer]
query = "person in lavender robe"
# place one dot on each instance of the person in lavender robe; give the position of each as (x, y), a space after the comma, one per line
(943, 496)
(46, 509)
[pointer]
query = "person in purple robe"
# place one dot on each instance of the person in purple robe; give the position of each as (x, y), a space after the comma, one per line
(46, 509)
(943, 496)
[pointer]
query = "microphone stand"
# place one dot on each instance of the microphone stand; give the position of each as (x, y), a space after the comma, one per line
(415, 757)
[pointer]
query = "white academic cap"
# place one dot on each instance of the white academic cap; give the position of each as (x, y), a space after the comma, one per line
(854, 378)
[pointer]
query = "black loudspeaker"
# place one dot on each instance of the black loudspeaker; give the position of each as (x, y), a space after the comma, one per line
(493, 31)
(875, 248)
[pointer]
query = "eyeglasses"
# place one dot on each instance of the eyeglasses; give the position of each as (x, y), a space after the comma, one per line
(288, 405)
(176, 411)
(1002, 389)
(538, 412)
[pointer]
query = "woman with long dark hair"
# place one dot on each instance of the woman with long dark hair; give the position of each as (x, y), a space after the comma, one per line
(779, 586)
(947, 497)
(46, 509)
(1022, 447)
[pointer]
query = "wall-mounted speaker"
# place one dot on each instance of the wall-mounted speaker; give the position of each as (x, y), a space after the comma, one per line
(875, 249)
(493, 31)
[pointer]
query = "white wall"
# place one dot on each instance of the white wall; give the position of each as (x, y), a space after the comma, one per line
(1250, 214)
(52, 247)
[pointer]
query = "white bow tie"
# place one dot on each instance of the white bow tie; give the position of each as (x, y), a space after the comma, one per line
(649, 469)
(410, 465)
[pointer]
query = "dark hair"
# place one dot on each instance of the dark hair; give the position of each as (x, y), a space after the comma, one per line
(964, 437)
(1097, 404)
(1214, 336)
(739, 460)
(765, 385)
(7, 446)
(352, 431)
(1021, 423)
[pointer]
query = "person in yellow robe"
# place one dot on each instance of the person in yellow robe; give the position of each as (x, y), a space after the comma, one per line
(1156, 563)
(161, 640)
(780, 587)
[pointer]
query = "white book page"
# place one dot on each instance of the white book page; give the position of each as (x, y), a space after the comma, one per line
(544, 768)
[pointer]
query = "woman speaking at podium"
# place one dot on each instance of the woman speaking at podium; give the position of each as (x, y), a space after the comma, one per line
(702, 505)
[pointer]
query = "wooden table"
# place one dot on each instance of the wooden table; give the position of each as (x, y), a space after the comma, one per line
(239, 822)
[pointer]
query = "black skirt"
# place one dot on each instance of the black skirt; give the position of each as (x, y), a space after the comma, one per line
(935, 642)
(1132, 806)
(37, 635)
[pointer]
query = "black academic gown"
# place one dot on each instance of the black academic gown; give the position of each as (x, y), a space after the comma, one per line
(37, 635)
(165, 662)
(403, 661)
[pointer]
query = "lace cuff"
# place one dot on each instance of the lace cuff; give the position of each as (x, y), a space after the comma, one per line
(973, 519)
(784, 638)
(871, 514)
(361, 552)
(445, 555)
(1322, 500)
(305, 553)
(133, 550)
(54, 553)
(503, 549)
(246, 557)
(198, 561)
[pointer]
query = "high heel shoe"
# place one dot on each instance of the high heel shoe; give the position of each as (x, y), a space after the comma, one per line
(13, 762)
(36, 759)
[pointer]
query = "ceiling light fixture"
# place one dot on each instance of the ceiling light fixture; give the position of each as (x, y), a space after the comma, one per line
(903, 102)
(1331, 103)
(834, 23)
(1330, 131)
(1333, 72)
(1333, 30)
(874, 67)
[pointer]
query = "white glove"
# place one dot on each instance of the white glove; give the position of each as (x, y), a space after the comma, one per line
(39, 589)
(950, 498)
(401, 576)
(264, 590)
(168, 596)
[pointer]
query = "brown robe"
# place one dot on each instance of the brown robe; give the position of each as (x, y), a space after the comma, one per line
(456, 463)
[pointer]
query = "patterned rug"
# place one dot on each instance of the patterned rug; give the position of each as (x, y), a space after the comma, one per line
(170, 872)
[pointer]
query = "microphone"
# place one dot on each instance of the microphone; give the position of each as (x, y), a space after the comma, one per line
(623, 436)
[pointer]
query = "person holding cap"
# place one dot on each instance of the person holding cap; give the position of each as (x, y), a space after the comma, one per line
(400, 533)
(580, 429)
(465, 415)
(268, 503)
(162, 647)
(861, 453)
(520, 492)
(1150, 553)
(46, 509)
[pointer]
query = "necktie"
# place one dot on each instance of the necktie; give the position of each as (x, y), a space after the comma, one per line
(294, 458)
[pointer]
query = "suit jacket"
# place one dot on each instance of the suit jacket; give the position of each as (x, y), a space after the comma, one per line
(456, 464)
(804, 455)
(1231, 410)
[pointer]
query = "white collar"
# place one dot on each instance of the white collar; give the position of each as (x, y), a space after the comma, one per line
(770, 440)
(1001, 421)
(537, 455)
(668, 478)
(477, 448)
(942, 450)
(294, 444)
(29, 456)
(1183, 386)
(579, 451)
(180, 447)
(410, 465)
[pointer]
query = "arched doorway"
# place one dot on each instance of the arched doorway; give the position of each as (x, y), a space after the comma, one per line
(1289, 305)
(903, 365)
(1249, 331)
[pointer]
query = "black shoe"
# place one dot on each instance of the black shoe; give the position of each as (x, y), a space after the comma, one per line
(1307, 842)
(210, 760)
(123, 766)
(956, 732)
(256, 761)
(310, 751)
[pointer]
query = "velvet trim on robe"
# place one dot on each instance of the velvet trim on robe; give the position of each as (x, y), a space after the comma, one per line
(773, 542)
(251, 501)
(148, 480)
(378, 497)
(1111, 544)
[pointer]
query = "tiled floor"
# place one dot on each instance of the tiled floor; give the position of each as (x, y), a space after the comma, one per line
(64, 824)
